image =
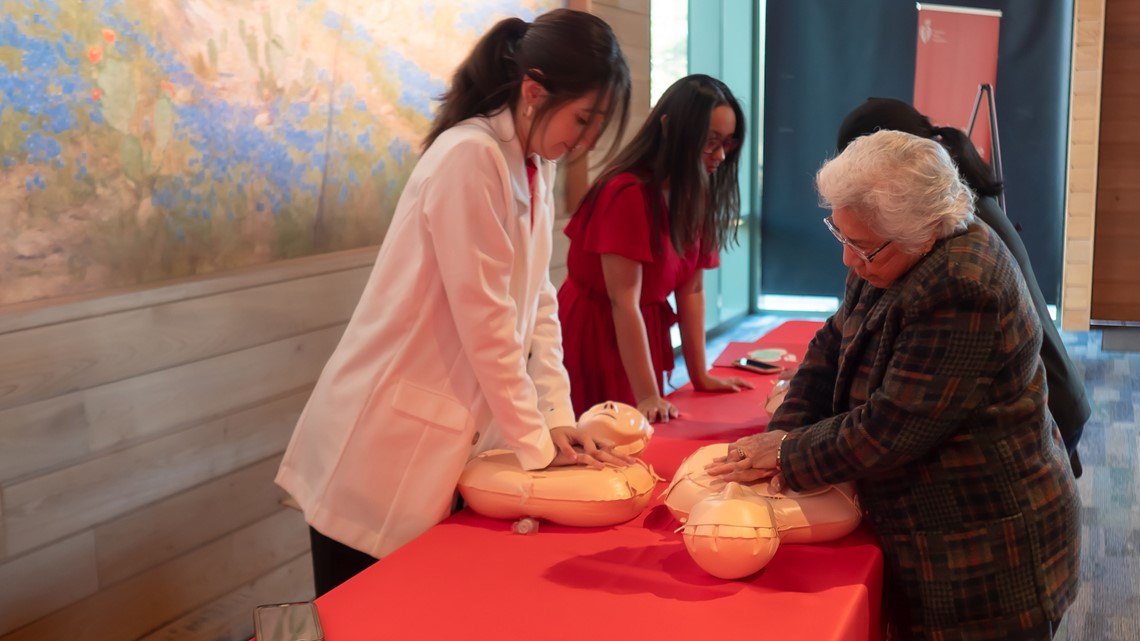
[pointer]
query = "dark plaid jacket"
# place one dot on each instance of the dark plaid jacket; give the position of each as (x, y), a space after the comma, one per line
(931, 395)
(1068, 401)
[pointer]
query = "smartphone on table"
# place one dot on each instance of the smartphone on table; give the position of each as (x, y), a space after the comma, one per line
(760, 367)
(287, 622)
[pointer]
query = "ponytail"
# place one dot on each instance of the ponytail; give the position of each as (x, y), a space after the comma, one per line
(488, 79)
(570, 53)
(973, 168)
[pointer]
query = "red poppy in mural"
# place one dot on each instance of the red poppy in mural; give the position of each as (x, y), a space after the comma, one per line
(168, 87)
(109, 35)
(95, 54)
(96, 93)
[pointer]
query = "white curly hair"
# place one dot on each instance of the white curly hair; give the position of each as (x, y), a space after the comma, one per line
(903, 187)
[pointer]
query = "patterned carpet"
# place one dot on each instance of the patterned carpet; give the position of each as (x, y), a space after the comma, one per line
(1108, 607)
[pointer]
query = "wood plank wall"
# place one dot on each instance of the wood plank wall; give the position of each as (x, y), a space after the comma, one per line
(139, 437)
(1084, 124)
(140, 433)
(1116, 262)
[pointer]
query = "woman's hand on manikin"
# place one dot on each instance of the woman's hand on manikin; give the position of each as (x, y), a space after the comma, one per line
(575, 447)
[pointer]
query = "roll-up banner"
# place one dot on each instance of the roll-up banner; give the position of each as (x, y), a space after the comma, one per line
(957, 51)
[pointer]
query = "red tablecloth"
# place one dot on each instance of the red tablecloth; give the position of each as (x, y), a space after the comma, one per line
(471, 578)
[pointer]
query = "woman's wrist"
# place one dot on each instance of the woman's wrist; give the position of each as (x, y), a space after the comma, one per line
(650, 396)
(779, 451)
(699, 378)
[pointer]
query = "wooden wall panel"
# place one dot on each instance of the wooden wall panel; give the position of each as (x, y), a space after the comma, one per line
(149, 405)
(1116, 263)
(132, 608)
(230, 618)
(79, 497)
(139, 436)
(40, 436)
(56, 359)
(558, 275)
(1084, 138)
(640, 7)
(169, 528)
(67, 309)
(51, 578)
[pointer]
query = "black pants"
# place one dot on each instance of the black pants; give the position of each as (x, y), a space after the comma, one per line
(334, 562)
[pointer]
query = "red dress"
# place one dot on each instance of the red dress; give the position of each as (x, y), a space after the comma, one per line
(618, 224)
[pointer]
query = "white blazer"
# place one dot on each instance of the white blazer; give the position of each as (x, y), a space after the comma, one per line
(454, 348)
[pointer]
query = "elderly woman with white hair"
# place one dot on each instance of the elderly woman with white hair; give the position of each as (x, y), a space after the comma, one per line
(927, 390)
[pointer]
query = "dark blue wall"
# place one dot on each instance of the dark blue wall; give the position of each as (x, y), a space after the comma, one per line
(824, 57)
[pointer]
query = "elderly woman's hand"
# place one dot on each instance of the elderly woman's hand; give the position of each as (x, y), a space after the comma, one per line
(750, 459)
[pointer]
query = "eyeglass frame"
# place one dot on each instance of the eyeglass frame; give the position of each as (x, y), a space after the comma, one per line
(861, 253)
(729, 145)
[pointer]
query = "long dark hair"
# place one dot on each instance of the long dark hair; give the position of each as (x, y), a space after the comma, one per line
(570, 53)
(668, 148)
(896, 115)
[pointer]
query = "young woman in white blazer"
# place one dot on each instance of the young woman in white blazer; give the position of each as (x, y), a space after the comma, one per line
(455, 346)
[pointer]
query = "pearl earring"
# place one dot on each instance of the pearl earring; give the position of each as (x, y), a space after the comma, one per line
(529, 111)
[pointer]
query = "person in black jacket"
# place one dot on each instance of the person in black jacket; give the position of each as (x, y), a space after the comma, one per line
(1068, 401)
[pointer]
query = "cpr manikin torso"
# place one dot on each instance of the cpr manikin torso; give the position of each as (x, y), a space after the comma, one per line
(733, 530)
(494, 485)
(730, 530)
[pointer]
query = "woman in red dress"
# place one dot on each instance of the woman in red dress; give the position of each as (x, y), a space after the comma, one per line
(650, 225)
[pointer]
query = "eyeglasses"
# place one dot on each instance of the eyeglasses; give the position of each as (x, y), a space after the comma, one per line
(861, 253)
(729, 145)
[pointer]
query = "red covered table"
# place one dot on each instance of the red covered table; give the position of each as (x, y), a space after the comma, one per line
(472, 578)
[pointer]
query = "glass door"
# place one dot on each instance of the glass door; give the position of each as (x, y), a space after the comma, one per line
(724, 42)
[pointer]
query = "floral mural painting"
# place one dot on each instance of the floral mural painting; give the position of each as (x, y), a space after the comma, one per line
(148, 140)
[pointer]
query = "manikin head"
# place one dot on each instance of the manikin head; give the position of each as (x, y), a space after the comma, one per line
(618, 423)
